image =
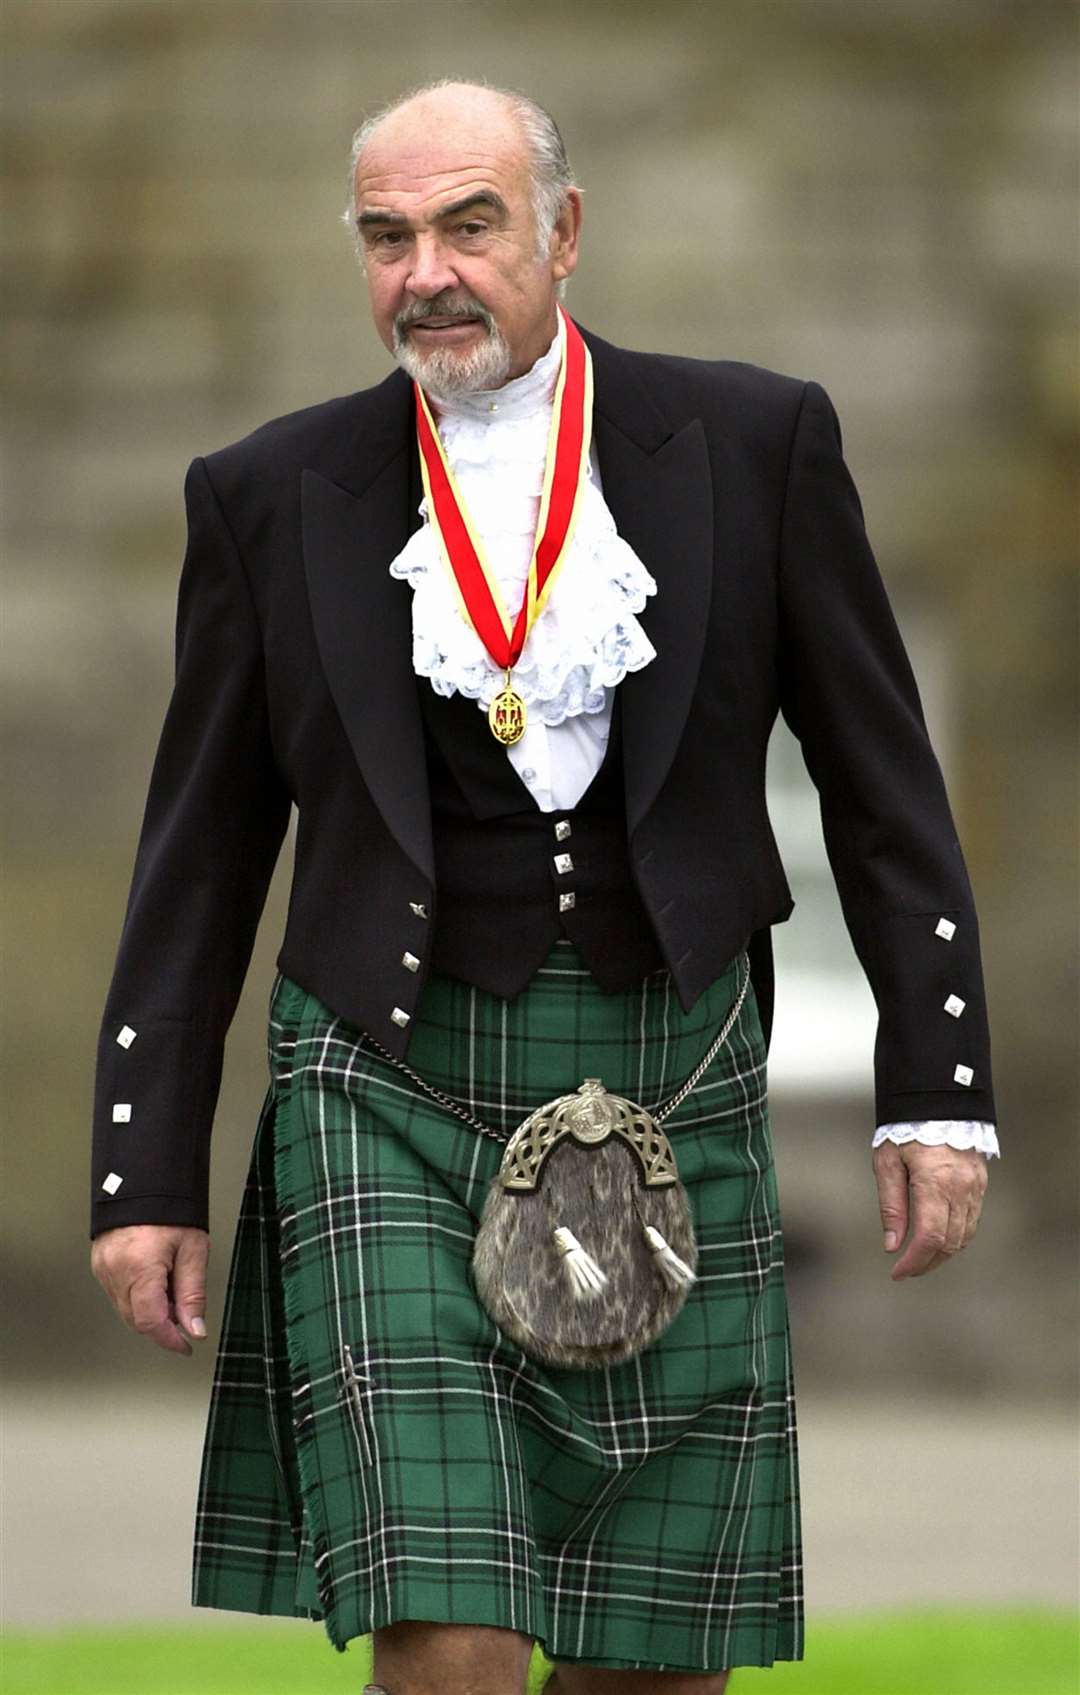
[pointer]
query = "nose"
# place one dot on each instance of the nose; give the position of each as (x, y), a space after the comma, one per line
(430, 273)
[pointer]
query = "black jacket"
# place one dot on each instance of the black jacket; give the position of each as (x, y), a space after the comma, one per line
(294, 684)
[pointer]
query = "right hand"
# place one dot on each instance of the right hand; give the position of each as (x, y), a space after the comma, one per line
(155, 1277)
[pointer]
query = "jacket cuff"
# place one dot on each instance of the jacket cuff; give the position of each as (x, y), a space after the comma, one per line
(107, 1214)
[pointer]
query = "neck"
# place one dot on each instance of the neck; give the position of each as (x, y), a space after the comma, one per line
(536, 346)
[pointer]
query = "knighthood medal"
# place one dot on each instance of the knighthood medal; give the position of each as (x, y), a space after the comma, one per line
(479, 597)
(507, 715)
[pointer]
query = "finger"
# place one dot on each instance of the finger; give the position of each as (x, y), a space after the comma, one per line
(189, 1284)
(972, 1204)
(891, 1176)
(150, 1312)
(971, 1223)
(954, 1232)
(975, 1206)
(957, 1237)
(938, 1259)
(930, 1224)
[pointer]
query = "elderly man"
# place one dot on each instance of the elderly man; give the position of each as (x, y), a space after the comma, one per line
(511, 630)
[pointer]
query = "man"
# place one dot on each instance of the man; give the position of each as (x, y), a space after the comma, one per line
(641, 1521)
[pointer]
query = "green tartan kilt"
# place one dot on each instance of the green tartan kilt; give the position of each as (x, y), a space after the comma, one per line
(378, 1450)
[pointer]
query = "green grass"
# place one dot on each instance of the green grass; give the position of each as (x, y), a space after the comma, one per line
(925, 1653)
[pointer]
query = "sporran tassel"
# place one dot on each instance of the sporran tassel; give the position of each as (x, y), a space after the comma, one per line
(674, 1270)
(586, 1277)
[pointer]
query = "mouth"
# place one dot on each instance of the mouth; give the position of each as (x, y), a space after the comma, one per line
(444, 327)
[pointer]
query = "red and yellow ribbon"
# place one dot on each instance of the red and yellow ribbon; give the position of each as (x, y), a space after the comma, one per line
(564, 476)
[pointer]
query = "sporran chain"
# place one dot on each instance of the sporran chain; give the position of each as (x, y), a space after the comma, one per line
(658, 1116)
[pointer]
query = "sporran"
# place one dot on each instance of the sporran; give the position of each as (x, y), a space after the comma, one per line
(586, 1248)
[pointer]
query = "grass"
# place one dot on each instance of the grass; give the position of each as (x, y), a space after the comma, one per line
(924, 1653)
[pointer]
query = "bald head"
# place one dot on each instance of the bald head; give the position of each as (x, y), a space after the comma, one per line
(458, 111)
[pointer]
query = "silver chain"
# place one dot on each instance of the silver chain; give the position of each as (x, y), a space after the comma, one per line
(658, 1116)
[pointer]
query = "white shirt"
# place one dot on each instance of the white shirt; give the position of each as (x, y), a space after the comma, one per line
(586, 639)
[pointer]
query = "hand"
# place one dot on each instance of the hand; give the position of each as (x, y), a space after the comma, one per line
(944, 1189)
(155, 1277)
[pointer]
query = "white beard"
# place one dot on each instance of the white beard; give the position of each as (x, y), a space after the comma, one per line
(444, 372)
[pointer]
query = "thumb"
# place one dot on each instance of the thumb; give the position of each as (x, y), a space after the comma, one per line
(189, 1281)
(892, 1186)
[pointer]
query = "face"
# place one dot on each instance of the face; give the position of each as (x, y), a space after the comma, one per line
(459, 292)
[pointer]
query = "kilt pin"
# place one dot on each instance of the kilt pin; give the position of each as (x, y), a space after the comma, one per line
(377, 1449)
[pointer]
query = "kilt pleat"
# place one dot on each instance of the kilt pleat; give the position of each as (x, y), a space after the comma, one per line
(376, 1449)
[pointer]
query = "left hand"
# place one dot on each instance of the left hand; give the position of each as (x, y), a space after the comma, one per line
(938, 1191)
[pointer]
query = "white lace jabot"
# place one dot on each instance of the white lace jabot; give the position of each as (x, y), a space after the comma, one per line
(587, 638)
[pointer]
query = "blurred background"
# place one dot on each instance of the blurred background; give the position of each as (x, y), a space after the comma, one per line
(877, 194)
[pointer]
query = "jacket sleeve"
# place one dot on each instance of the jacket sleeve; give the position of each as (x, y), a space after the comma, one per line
(215, 817)
(848, 693)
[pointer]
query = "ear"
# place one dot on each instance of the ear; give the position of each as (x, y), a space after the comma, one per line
(565, 236)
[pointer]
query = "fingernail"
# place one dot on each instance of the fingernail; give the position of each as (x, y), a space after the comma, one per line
(891, 1239)
(197, 1326)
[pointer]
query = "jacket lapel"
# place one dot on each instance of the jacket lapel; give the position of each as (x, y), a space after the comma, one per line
(658, 485)
(363, 626)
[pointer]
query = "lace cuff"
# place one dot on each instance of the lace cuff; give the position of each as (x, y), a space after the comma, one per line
(943, 1132)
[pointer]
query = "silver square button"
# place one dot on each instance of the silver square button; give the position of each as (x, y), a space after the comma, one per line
(126, 1036)
(112, 1183)
(410, 961)
(562, 829)
(121, 1112)
(563, 863)
(400, 1016)
(955, 1005)
(567, 901)
(963, 1074)
(945, 928)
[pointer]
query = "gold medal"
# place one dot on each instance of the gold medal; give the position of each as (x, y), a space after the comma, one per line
(507, 715)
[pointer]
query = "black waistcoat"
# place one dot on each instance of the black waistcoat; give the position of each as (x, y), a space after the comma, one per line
(502, 899)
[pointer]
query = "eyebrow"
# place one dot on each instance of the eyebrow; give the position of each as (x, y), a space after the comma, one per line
(486, 197)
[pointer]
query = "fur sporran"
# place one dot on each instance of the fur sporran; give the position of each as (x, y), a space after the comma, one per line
(586, 1247)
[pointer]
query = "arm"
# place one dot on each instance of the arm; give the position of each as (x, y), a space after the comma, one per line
(215, 818)
(847, 691)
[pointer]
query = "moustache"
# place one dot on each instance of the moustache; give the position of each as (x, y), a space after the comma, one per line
(442, 308)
